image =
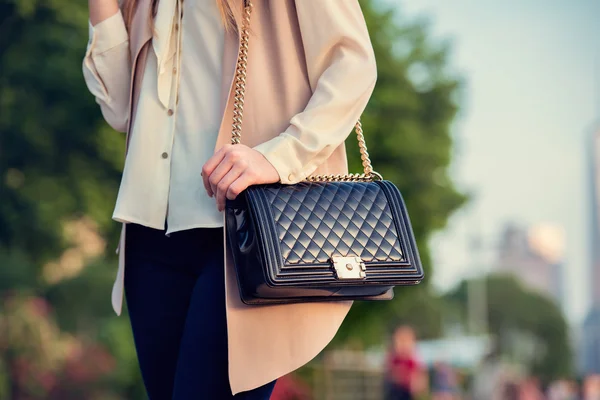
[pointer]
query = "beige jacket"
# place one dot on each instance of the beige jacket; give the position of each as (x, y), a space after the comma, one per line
(311, 72)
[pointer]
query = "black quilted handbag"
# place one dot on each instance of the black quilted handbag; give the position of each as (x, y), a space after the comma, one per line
(330, 238)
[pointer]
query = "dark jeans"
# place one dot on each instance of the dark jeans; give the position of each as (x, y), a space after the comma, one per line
(175, 292)
(396, 392)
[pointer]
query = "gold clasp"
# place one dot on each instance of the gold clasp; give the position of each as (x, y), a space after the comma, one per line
(349, 267)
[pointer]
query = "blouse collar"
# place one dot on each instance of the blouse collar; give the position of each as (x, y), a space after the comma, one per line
(163, 43)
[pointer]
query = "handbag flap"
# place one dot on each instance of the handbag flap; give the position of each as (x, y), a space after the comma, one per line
(315, 222)
(311, 222)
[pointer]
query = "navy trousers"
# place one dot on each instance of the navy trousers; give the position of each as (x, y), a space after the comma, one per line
(175, 293)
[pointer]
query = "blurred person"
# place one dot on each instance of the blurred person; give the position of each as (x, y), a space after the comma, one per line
(162, 71)
(529, 389)
(562, 390)
(576, 390)
(509, 391)
(444, 385)
(591, 387)
(290, 387)
(405, 377)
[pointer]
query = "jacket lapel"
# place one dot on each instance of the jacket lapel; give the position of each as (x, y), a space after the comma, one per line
(140, 31)
(139, 34)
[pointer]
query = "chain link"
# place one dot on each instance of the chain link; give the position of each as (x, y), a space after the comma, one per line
(238, 111)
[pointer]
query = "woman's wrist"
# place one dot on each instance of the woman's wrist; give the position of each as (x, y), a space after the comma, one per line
(101, 10)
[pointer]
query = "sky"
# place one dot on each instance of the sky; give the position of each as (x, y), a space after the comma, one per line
(532, 98)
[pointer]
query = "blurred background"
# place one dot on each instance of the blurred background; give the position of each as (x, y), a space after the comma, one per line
(487, 117)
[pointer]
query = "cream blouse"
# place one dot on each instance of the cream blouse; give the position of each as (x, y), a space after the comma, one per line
(181, 88)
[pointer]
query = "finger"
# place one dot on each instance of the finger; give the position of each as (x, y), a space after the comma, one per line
(238, 186)
(209, 167)
(205, 182)
(234, 157)
(225, 183)
(219, 173)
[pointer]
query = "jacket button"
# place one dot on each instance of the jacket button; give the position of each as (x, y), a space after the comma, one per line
(165, 155)
(170, 112)
(291, 177)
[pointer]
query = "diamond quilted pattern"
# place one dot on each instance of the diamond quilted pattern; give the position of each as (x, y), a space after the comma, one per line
(315, 221)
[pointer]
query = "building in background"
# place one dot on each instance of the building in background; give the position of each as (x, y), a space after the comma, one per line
(595, 218)
(535, 255)
(590, 338)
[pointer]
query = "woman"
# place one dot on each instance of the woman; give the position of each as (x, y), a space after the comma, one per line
(162, 71)
(406, 377)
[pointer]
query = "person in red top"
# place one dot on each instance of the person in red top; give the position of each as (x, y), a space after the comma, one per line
(406, 377)
(289, 387)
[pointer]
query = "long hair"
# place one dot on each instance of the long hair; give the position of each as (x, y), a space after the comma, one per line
(229, 11)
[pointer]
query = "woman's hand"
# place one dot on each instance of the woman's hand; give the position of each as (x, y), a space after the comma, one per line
(232, 169)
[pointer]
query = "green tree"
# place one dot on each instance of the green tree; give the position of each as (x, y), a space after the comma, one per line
(57, 157)
(530, 328)
(59, 161)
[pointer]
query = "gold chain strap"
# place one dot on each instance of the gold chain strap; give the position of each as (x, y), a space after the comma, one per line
(240, 76)
(238, 110)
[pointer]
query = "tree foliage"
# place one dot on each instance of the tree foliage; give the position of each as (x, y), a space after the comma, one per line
(529, 327)
(57, 157)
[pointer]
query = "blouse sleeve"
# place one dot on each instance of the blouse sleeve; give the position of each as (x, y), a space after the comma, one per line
(342, 73)
(107, 69)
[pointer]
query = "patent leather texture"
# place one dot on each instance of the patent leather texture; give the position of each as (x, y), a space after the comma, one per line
(285, 238)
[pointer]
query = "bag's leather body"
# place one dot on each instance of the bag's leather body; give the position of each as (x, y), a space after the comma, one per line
(321, 241)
